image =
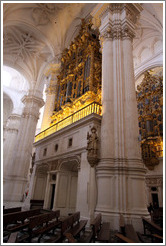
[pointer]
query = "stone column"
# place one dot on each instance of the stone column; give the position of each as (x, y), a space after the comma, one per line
(120, 173)
(51, 92)
(10, 135)
(16, 176)
(26, 205)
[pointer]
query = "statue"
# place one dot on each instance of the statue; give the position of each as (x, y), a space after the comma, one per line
(92, 147)
(32, 162)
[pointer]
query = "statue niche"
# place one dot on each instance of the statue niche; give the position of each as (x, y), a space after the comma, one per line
(92, 147)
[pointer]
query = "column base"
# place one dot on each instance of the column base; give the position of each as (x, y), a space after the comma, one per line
(14, 188)
(129, 218)
(121, 190)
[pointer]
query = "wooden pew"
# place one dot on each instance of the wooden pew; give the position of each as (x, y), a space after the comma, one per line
(66, 224)
(70, 238)
(11, 210)
(71, 227)
(131, 233)
(101, 231)
(157, 238)
(77, 226)
(42, 224)
(16, 221)
(123, 238)
(151, 227)
(13, 237)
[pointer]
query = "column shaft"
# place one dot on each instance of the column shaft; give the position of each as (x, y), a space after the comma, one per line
(16, 176)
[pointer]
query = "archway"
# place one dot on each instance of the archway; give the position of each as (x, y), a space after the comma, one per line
(61, 191)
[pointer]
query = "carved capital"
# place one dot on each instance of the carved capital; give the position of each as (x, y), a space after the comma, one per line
(118, 21)
(32, 106)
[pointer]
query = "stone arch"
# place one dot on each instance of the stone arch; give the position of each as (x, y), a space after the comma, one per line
(146, 67)
(70, 164)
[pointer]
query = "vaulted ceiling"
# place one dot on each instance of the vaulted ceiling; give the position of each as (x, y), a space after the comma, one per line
(35, 34)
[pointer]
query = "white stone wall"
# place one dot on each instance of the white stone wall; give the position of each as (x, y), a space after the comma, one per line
(72, 171)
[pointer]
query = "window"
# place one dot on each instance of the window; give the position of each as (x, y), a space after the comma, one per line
(70, 142)
(56, 147)
(45, 152)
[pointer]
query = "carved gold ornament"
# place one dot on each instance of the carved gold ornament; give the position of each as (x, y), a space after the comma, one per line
(150, 108)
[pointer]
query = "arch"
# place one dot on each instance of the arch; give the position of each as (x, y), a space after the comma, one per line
(42, 169)
(70, 164)
(147, 67)
(9, 62)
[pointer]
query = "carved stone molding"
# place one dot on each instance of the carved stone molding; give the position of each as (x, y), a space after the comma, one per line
(151, 181)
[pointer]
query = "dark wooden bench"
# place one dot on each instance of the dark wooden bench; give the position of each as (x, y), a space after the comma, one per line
(128, 233)
(11, 210)
(157, 238)
(71, 227)
(66, 224)
(123, 238)
(42, 224)
(77, 226)
(101, 231)
(36, 204)
(13, 237)
(16, 221)
(131, 233)
(151, 227)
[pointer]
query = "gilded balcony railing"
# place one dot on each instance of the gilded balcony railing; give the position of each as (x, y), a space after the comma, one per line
(89, 109)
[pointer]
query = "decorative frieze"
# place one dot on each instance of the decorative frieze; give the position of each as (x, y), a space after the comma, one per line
(154, 181)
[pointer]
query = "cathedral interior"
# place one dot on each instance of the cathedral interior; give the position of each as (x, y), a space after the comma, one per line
(82, 122)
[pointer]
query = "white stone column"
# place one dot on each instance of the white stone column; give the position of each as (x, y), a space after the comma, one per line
(10, 135)
(51, 92)
(92, 193)
(16, 176)
(83, 187)
(26, 205)
(120, 172)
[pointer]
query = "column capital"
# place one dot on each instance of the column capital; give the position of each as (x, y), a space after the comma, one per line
(32, 106)
(116, 20)
(29, 99)
(52, 73)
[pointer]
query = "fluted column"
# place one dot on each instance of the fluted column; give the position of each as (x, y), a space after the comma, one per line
(51, 95)
(10, 135)
(120, 173)
(16, 175)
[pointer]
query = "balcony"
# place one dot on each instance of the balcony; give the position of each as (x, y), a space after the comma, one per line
(93, 108)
